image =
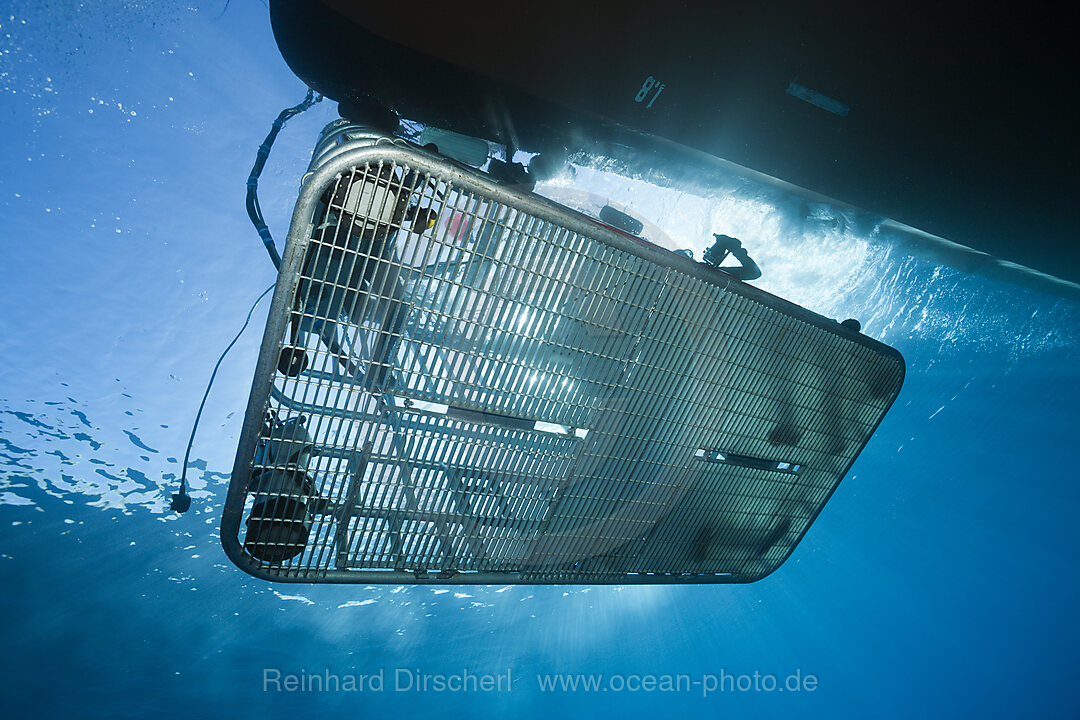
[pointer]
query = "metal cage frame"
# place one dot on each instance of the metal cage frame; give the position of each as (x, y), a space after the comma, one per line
(715, 511)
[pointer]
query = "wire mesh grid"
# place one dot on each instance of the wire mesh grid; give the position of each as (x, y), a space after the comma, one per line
(460, 383)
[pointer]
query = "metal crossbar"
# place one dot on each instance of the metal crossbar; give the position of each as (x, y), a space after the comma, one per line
(461, 383)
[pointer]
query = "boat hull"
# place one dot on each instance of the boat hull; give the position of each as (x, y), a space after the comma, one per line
(933, 119)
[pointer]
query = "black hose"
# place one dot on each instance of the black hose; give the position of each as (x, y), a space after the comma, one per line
(253, 209)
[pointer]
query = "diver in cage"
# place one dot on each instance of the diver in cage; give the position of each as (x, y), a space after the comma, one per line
(726, 245)
(349, 269)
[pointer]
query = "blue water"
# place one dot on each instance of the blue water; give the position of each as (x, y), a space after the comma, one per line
(941, 579)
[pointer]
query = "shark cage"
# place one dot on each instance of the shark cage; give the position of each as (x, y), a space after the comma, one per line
(463, 382)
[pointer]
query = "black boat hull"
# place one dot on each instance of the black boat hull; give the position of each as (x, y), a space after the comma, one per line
(958, 125)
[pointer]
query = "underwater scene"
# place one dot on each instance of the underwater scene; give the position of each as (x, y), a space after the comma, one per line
(939, 579)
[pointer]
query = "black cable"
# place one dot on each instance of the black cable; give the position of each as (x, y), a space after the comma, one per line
(253, 209)
(181, 501)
